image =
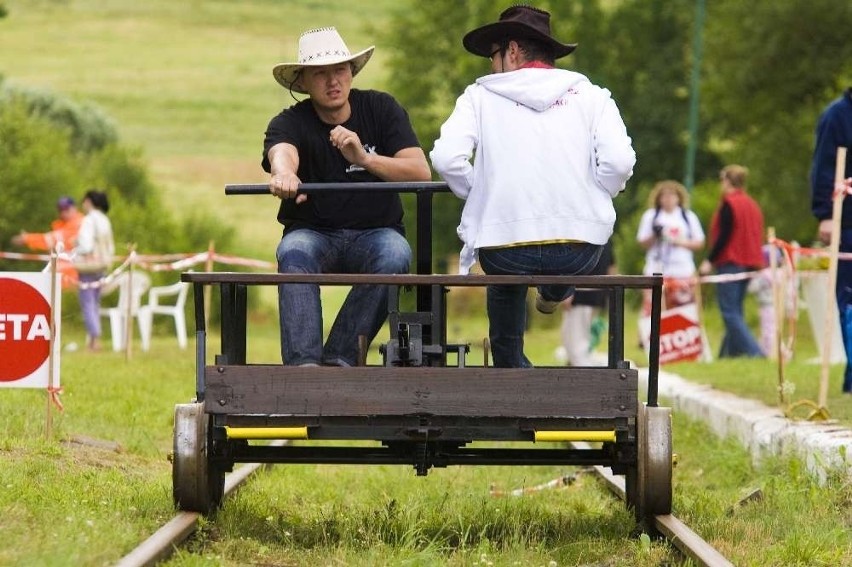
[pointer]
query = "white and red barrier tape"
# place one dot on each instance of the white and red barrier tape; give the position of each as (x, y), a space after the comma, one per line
(150, 262)
(184, 261)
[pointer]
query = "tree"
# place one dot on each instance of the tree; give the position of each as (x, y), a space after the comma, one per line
(429, 69)
(42, 158)
(765, 90)
(637, 49)
(768, 70)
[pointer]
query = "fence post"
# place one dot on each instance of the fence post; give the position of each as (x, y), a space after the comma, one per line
(831, 304)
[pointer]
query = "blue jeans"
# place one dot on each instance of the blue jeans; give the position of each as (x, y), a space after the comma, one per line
(507, 305)
(90, 304)
(844, 304)
(342, 251)
(738, 340)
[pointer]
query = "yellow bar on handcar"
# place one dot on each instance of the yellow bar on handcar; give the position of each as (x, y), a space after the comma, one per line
(575, 436)
(266, 432)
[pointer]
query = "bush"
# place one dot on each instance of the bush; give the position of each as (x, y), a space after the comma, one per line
(36, 168)
(89, 127)
(46, 152)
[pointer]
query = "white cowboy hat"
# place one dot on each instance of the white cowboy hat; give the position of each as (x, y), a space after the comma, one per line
(322, 46)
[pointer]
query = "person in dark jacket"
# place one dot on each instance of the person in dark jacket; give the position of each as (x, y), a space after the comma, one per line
(736, 237)
(834, 130)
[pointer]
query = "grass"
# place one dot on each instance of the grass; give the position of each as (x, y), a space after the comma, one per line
(449, 518)
(72, 500)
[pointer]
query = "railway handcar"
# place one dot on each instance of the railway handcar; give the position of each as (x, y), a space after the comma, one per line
(426, 405)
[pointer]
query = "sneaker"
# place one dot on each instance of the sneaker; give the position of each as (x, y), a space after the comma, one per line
(545, 306)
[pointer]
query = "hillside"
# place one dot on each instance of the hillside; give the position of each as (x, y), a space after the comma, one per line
(190, 83)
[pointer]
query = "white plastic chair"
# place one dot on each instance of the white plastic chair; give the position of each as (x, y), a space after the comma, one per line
(178, 290)
(117, 314)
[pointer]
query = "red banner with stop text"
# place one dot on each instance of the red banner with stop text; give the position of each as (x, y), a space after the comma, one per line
(682, 337)
(29, 331)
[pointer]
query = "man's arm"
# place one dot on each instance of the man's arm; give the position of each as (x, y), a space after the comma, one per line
(455, 146)
(614, 156)
(408, 164)
(825, 226)
(283, 165)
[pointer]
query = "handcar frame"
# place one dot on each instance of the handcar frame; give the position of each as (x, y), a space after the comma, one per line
(425, 405)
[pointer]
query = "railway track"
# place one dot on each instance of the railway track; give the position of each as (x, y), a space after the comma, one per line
(675, 531)
(174, 532)
(163, 542)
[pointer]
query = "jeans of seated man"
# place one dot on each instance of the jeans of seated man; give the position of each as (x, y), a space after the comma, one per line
(738, 340)
(844, 305)
(506, 304)
(345, 251)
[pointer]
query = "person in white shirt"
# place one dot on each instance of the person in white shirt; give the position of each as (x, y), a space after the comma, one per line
(93, 255)
(670, 233)
(551, 153)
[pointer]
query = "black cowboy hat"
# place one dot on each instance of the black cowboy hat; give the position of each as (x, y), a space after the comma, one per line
(517, 22)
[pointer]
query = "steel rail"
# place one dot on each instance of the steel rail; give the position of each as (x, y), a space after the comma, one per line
(163, 542)
(674, 530)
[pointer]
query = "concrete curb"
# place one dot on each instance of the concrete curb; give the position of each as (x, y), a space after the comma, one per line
(762, 430)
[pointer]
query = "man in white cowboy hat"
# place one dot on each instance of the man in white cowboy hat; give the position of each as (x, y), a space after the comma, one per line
(551, 153)
(338, 134)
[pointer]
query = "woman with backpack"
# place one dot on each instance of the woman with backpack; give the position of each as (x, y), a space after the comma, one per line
(670, 233)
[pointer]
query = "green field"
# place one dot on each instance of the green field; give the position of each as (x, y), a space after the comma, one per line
(190, 84)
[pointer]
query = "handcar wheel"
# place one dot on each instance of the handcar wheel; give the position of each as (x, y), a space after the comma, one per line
(197, 484)
(633, 487)
(657, 455)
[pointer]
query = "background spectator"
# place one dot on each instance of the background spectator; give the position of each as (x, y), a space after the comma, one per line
(736, 236)
(63, 231)
(92, 257)
(582, 321)
(834, 129)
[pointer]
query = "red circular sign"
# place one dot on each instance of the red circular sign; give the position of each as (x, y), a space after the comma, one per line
(24, 329)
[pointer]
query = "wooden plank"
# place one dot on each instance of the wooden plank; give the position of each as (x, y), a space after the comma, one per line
(590, 282)
(491, 392)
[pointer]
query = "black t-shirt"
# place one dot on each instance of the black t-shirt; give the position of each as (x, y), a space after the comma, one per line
(383, 128)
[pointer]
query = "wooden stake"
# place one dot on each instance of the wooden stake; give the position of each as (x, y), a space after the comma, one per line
(793, 282)
(777, 302)
(51, 354)
(128, 315)
(707, 351)
(831, 302)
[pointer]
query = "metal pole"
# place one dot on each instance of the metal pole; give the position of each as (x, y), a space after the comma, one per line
(697, 42)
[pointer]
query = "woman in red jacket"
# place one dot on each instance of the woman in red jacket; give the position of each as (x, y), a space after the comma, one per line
(736, 237)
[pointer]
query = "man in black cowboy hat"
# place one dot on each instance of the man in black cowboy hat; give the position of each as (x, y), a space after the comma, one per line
(338, 134)
(551, 153)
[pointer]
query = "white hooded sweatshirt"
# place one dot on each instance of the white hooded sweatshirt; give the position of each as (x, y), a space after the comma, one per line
(551, 153)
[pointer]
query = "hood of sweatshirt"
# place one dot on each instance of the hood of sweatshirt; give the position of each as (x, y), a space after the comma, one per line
(534, 88)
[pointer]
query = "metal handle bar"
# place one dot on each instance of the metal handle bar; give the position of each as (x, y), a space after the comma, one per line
(383, 186)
